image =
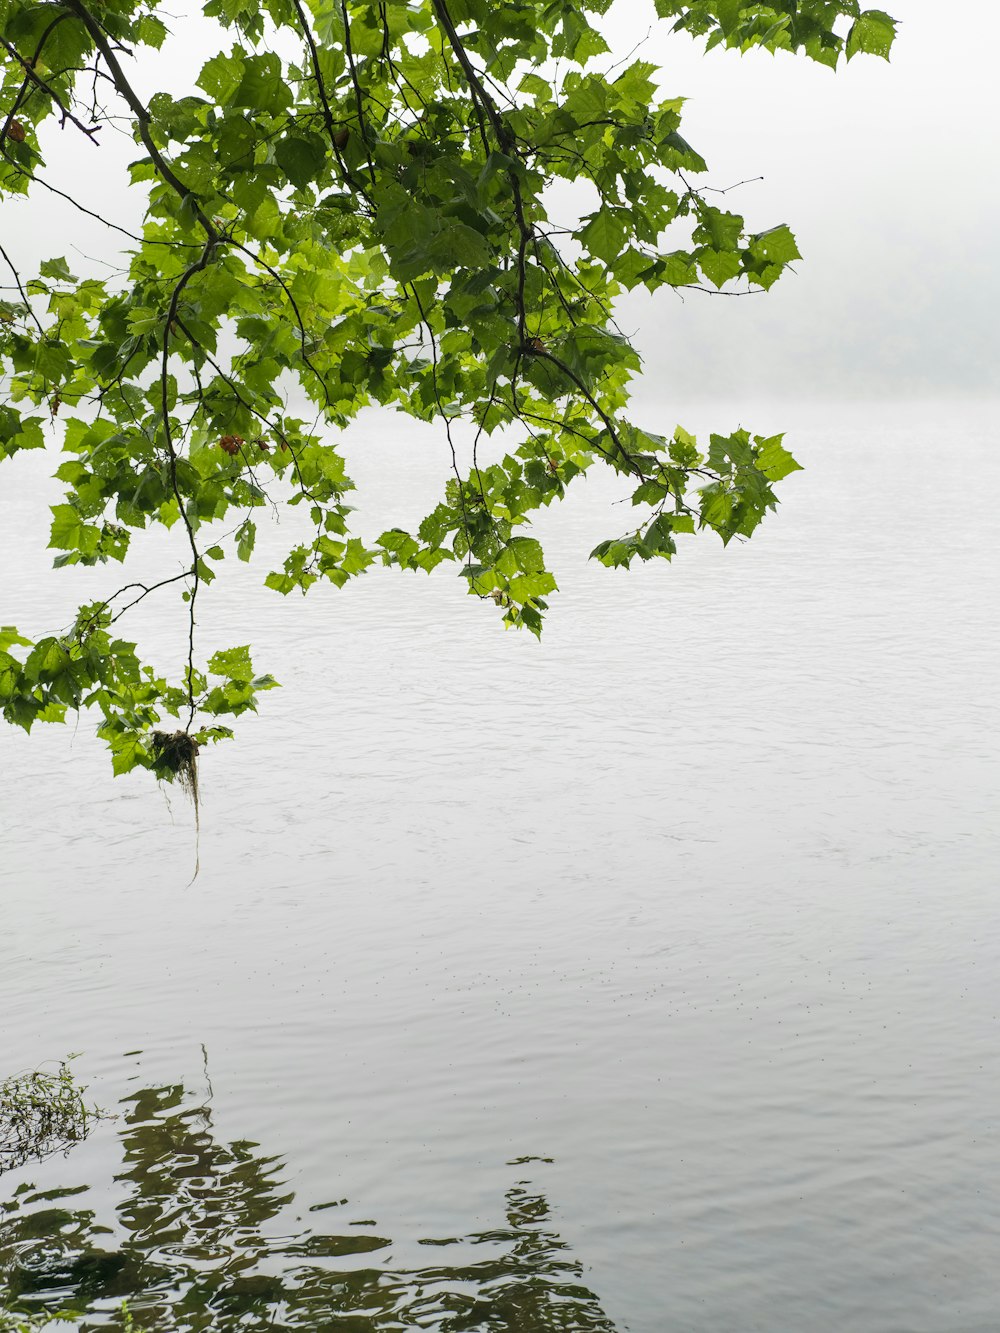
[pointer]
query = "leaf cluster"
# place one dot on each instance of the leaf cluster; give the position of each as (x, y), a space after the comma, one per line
(364, 219)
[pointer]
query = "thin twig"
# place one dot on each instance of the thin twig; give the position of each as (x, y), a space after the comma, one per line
(202, 262)
(35, 78)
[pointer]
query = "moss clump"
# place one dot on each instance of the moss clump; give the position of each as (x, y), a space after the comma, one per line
(175, 757)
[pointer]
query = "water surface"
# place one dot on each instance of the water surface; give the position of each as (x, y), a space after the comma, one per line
(664, 951)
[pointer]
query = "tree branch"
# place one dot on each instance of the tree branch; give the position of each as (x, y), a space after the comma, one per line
(142, 116)
(33, 77)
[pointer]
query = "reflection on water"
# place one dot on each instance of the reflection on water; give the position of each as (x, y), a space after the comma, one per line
(197, 1241)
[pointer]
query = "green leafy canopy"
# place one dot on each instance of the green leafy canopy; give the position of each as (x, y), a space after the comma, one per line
(362, 219)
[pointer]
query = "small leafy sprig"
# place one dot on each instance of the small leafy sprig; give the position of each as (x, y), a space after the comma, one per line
(42, 1113)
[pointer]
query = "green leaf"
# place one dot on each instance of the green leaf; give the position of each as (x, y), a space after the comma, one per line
(58, 269)
(777, 245)
(773, 458)
(604, 235)
(263, 87)
(301, 158)
(728, 12)
(246, 536)
(461, 245)
(10, 638)
(127, 752)
(873, 33)
(17, 432)
(719, 268)
(71, 533)
(233, 663)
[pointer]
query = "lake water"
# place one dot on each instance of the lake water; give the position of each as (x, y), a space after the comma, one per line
(650, 971)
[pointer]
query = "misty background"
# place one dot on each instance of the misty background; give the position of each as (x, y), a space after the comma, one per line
(889, 177)
(887, 174)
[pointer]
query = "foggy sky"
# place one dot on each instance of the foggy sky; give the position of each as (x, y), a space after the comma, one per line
(887, 173)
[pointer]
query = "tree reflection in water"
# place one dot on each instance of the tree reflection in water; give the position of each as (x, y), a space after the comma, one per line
(191, 1247)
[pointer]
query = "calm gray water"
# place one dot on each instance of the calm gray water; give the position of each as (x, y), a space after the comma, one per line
(696, 899)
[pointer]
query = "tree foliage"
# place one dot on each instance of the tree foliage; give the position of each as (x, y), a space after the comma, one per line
(354, 206)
